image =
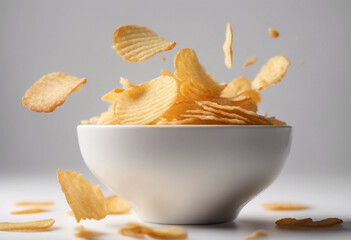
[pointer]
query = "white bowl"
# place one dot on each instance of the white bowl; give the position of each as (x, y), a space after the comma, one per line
(185, 174)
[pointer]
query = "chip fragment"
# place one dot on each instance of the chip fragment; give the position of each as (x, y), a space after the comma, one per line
(82, 232)
(51, 91)
(250, 61)
(29, 211)
(283, 206)
(91, 121)
(236, 86)
(135, 43)
(307, 223)
(257, 234)
(34, 203)
(27, 226)
(227, 46)
(85, 200)
(117, 205)
(125, 83)
(274, 33)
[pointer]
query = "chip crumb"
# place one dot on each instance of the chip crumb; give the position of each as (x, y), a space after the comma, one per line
(163, 58)
(34, 203)
(257, 234)
(293, 223)
(82, 232)
(283, 206)
(274, 33)
(250, 61)
(29, 211)
(27, 226)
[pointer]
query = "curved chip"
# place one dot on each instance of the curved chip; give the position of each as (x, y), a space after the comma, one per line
(125, 83)
(271, 73)
(51, 91)
(25, 226)
(227, 46)
(135, 43)
(250, 61)
(146, 102)
(111, 96)
(85, 200)
(175, 112)
(236, 86)
(117, 205)
(253, 94)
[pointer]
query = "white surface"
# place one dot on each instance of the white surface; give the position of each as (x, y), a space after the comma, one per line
(328, 197)
(183, 161)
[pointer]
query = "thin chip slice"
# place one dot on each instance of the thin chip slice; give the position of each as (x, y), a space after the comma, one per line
(140, 231)
(34, 203)
(257, 234)
(29, 211)
(51, 91)
(91, 121)
(236, 86)
(27, 226)
(85, 200)
(250, 61)
(111, 96)
(146, 102)
(227, 46)
(274, 33)
(307, 223)
(117, 205)
(271, 73)
(283, 206)
(125, 83)
(135, 43)
(82, 232)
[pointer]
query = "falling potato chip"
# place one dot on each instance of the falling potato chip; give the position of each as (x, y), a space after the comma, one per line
(135, 43)
(236, 86)
(283, 206)
(271, 73)
(29, 211)
(125, 83)
(227, 46)
(250, 61)
(257, 234)
(34, 203)
(91, 121)
(51, 91)
(85, 200)
(146, 102)
(111, 96)
(274, 33)
(82, 232)
(117, 205)
(140, 231)
(27, 226)
(307, 223)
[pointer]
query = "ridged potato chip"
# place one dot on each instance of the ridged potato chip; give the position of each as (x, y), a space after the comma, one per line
(211, 116)
(283, 206)
(35, 203)
(307, 223)
(227, 46)
(51, 91)
(117, 205)
(82, 232)
(274, 33)
(146, 102)
(108, 118)
(111, 96)
(29, 211)
(250, 61)
(91, 121)
(256, 234)
(253, 94)
(27, 226)
(85, 200)
(271, 73)
(135, 43)
(125, 83)
(236, 86)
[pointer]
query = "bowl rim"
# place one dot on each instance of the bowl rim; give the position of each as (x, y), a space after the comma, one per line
(182, 126)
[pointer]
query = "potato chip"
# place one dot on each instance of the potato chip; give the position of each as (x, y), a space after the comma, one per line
(204, 116)
(29, 211)
(140, 231)
(85, 200)
(227, 46)
(271, 73)
(91, 121)
(108, 118)
(257, 234)
(111, 96)
(283, 206)
(175, 112)
(82, 232)
(146, 102)
(35, 203)
(253, 94)
(307, 223)
(250, 61)
(117, 205)
(274, 33)
(236, 86)
(51, 91)
(135, 43)
(27, 226)
(180, 97)
(125, 83)
(164, 121)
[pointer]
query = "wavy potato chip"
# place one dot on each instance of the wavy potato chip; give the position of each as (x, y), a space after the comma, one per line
(146, 102)
(271, 73)
(175, 112)
(257, 234)
(283, 206)
(82, 232)
(51, 91)
(117, 205)
(135, 43)
(227, 46)
(307, 223)
(34, 203)
(27, 226)
(253, 94)
(236, 86)
(274, 33)
(250, 61)
(111, 96)
(108, 118)
(207, 115)
(85, 200)
(29, 211)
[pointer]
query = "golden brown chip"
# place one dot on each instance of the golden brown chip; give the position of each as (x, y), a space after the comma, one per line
(51, 91)
(35, 203)
(274, 33)
(85, 200)
(111, 96)
(146, 102)
(236, 86)
(91, 121)
(271, 73)
(257, 234)
(27, 226)
(282, 206)
(108, 118)
(29, 211)
(307, 223)
(82, 232)
(175, 112)
(140, 231)
(250, 61)
(135, 43)
(125, 83)
(253, 94)
(227, 46)
(117, 205)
